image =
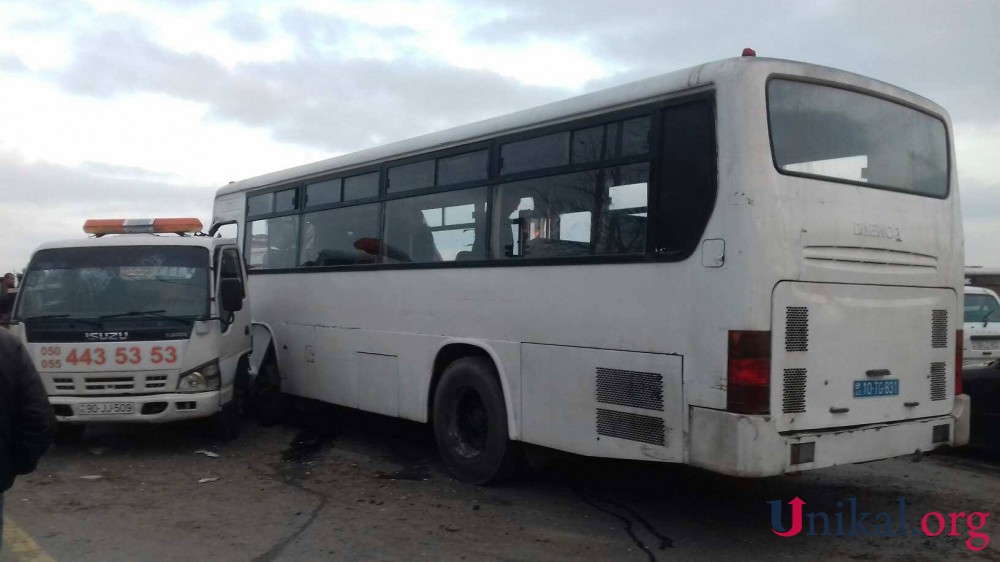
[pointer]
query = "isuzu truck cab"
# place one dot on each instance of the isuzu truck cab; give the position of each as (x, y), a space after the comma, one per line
(143, 321)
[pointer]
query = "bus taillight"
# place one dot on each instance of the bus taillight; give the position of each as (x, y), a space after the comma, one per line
(749, 372)
(959, 344)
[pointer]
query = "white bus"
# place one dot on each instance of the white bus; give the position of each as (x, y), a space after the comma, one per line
(752, 266)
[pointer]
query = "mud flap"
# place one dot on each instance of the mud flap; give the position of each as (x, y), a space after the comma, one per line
(261, 339)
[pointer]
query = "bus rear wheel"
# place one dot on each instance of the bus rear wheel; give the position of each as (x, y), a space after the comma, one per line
(470, 423)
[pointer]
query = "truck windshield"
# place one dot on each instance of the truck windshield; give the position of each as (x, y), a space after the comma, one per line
(980, 307)
(846, 136)
(95, 282)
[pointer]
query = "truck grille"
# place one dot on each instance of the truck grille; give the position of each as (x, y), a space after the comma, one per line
(99, 384)
(110, 384)
(65, 384)
(154, 382)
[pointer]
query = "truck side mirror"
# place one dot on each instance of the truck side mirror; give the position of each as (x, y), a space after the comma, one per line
(231, 295)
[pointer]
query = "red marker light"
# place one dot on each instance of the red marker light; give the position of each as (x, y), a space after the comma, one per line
(748, 52)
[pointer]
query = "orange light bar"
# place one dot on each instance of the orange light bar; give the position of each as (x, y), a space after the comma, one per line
(103, 226)
(177, 225)
(149, 226)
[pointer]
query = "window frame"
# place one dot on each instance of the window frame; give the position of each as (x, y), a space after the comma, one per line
(653, 109)
(304, 207)
(288, 186)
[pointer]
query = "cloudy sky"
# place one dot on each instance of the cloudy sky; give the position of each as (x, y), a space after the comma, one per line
(128, 108)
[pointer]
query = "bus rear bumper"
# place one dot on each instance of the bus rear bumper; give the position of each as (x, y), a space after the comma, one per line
(151, 408)
(750, 446)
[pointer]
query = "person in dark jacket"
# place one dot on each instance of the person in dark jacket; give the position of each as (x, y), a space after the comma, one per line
(27, 424)
(7, 295)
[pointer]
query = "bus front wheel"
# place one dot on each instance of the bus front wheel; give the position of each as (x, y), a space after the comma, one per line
(470, 422)
(269, 403)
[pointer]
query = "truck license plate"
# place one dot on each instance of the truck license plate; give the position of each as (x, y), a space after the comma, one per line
(105, 409)
(873, 389)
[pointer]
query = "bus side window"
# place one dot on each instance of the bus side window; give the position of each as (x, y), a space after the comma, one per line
(568, 215)
(272, 243)
(685, 189)
(535, 210)
(332, 237)
(446, 226)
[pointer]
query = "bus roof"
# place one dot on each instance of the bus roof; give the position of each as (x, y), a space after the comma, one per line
(622, 96)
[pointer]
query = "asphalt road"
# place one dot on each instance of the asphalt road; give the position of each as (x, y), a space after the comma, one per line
(339, 485)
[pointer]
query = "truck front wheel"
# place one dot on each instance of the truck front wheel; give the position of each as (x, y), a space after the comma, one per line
(227, 424)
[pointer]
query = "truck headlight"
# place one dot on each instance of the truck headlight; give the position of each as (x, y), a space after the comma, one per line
(200, 379)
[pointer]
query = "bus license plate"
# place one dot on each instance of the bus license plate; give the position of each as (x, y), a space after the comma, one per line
(873, 389)
(980, 345)
(105, 409)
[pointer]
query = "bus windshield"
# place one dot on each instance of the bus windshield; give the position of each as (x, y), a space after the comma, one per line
(838, 134)
(95, 282)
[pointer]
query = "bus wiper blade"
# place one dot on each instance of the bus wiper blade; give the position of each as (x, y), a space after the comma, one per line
(154, 313)
(986, 319)
(60, 317)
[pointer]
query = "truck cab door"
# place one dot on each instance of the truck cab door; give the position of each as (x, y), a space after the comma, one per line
(234, 341)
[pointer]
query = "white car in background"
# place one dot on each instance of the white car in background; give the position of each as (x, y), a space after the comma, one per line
(982, 325)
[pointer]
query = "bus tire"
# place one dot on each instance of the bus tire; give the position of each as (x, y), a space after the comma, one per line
(269, 403)
(470, 422)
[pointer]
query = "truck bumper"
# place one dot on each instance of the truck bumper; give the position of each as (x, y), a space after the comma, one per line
(155, 408)
(750, 446)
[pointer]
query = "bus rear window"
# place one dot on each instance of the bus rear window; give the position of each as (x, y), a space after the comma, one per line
(837, 134)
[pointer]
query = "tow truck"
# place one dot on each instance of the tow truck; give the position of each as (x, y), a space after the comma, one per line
(145, 320)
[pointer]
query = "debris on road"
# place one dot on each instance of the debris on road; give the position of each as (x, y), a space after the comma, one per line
(207, 453)
(204, 480)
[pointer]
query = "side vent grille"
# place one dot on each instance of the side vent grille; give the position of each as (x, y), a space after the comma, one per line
(796, 328)
(793, 400)
(634, 427)
(630, 388)
(939, 383)
(939, 328)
